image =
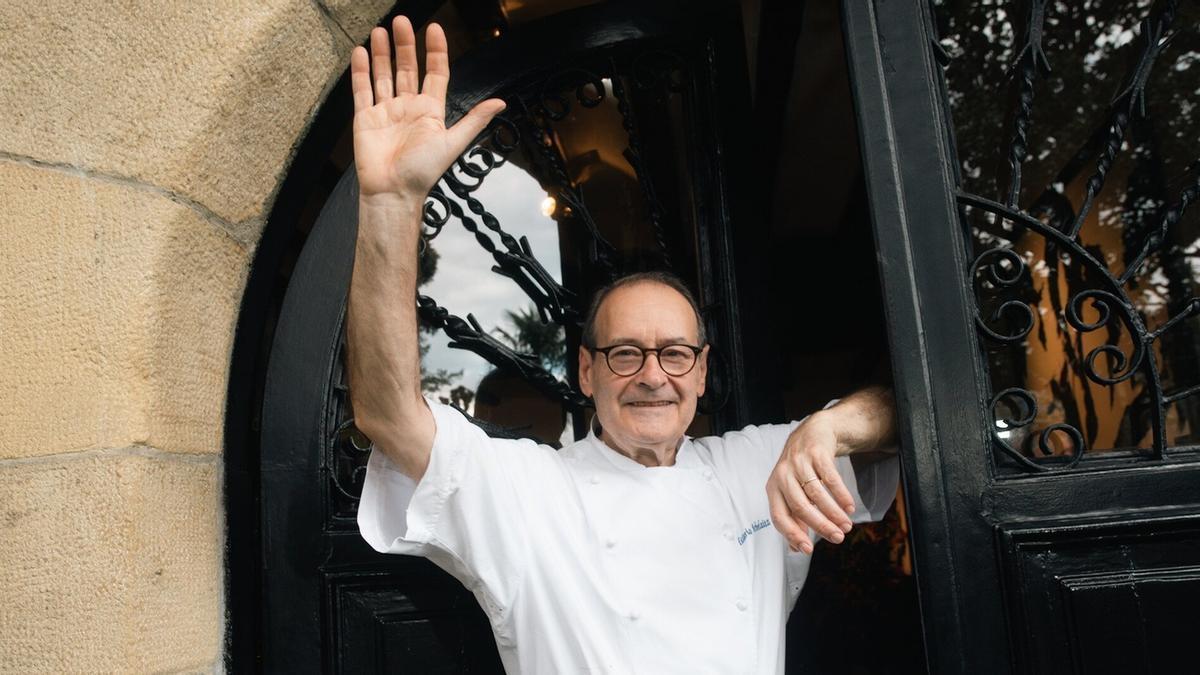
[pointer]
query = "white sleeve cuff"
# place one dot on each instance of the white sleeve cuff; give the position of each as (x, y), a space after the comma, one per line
(875, 486)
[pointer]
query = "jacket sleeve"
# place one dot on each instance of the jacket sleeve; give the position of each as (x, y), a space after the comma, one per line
(468, 511)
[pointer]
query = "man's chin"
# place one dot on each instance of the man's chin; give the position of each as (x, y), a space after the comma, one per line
(651, 429)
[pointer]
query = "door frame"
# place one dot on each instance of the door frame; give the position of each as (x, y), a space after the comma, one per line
(938, 375)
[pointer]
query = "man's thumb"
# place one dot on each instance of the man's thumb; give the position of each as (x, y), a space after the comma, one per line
(475, 121)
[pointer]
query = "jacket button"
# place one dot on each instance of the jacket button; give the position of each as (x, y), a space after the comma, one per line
(634, 616)
(708, 474)
(742, 605)
(609, 543)
(728, 534)
(594, 480)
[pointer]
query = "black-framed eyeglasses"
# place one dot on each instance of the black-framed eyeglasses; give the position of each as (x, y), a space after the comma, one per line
(626, 360)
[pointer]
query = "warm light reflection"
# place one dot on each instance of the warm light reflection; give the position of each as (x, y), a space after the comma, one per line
(548, 206)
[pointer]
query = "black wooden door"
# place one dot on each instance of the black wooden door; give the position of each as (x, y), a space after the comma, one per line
(618, 116)
(1030, 167)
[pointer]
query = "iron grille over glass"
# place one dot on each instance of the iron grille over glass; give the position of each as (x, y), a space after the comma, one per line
(1074, 195)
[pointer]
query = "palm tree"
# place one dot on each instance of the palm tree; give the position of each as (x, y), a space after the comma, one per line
(530, 335)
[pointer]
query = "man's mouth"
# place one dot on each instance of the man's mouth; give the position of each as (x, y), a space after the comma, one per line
(650, 404)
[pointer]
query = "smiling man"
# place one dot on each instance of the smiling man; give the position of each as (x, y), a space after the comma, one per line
(637, 549)
(646, 407)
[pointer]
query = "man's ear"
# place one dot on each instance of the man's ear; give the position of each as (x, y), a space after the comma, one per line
(585, 371)
(702, 366)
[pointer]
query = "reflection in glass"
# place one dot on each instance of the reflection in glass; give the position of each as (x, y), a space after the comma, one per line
(456, 271)
(1076, 180)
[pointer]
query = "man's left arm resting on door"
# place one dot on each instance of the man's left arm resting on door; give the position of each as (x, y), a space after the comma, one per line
(805, 489)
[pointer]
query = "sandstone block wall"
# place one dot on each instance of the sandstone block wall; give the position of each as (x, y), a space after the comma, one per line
(141, 147)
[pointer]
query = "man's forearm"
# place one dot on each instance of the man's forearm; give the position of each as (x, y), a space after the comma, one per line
(864, 421)
(381, 333)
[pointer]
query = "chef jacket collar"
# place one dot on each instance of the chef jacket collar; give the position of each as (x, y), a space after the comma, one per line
(685, 455)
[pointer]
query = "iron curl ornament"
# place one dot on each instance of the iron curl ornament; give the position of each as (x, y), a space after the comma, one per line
(348, 470)
(588, 87)
(991, 267)
(1004, 428)
(1108, 306)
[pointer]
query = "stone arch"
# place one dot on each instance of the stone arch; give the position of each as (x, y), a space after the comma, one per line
(141, 152)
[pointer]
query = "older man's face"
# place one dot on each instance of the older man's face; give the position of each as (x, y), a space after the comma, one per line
(649, 409)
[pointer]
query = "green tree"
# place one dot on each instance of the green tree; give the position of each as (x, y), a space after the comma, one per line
(530, 335)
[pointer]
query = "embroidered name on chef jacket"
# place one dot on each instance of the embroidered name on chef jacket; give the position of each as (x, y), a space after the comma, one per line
(757, 525)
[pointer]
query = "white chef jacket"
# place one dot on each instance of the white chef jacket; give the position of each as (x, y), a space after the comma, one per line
(587, 562)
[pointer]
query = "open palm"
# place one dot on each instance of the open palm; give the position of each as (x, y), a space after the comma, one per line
(401, 142)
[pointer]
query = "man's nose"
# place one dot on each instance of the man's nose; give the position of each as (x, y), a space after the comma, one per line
(652, 374)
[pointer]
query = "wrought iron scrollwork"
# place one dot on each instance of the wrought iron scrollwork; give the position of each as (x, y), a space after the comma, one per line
(999, 274)
(350, 453)
(1108, 305)
(1005, 427)
(346, 448)
(1001, 278)
(1111, 305)
(470, 335)
(518, 262)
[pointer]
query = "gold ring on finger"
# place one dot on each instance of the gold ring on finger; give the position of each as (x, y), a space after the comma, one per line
(810, 480)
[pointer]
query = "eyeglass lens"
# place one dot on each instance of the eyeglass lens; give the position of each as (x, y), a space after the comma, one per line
(628, 359)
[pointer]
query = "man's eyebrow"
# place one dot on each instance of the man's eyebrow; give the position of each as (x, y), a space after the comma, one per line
(635, 341)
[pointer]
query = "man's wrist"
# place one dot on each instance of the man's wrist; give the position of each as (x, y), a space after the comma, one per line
(388, 221)
(836, 425)
(391, 203)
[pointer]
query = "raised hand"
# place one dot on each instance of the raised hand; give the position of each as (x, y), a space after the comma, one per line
(401, 148)
(401, 143)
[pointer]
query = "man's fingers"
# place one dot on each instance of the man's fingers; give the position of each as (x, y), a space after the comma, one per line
(437, 63)
(796, 533)
(835, 485)
(818, 495)
(360, 79)
(803, 509)
(476, 120)
(381, 64)
(405, 43)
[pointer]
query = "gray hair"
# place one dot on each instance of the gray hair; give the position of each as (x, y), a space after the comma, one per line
(657, 277)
